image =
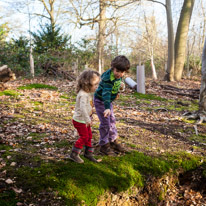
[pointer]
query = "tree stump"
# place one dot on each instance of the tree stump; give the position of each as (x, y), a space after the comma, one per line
(5, 75)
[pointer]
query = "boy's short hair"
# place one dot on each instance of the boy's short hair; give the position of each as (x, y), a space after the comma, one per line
(121, 63)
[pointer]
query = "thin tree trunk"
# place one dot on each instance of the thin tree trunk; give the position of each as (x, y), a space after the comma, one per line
(170, 61)
(31, 59)
(154, 73)
(101, 42)
(181, 38)
(117, 41)
(202, 99)
(188, 72)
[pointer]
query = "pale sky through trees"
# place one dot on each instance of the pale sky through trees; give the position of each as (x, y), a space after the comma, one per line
(129, 27)
(77, 33)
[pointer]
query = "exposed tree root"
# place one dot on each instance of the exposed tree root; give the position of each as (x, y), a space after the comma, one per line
(200, 116)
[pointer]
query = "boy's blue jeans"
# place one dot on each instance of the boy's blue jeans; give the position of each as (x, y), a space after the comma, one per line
(107, 127)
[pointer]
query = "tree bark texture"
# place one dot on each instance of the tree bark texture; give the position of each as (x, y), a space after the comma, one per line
(202, 100)
(181, 38)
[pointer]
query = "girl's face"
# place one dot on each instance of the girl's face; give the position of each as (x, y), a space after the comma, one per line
(94, 83)
(118, 74)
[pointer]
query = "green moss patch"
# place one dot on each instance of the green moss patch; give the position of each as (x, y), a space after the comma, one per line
(183, 106)
(199, 138)
(37, 103)
(63, 144)
(184, 160)
(87, 182)
(38, 86)
(10, 93)
(124, 97)
(64, 97)
(148, 97)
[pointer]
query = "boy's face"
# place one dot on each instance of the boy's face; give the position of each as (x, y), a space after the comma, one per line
(118, 74)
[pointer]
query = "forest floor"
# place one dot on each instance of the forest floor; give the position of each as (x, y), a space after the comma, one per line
(36, 123)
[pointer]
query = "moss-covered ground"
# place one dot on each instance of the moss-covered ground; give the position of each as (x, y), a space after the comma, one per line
(37, 135)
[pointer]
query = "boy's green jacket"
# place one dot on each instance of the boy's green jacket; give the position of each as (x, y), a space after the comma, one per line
(108, 88)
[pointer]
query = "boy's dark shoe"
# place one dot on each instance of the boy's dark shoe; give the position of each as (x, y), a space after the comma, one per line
(89, 154)
(105, 149)
(116, 146)
(75, 157)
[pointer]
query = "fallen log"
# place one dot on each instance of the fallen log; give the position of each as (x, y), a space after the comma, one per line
(192, 93)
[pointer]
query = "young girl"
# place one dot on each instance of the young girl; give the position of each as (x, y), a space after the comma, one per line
(87, 83)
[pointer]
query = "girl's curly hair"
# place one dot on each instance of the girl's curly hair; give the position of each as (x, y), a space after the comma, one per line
(84, 80)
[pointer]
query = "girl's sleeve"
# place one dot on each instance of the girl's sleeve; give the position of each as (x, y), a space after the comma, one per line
(84, 108)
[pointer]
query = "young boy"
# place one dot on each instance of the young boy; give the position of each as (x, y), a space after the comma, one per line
(111, 82)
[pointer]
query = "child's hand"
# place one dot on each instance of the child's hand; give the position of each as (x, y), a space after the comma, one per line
(89, 124)
(107, 112)
(122, 87)
(117, 97)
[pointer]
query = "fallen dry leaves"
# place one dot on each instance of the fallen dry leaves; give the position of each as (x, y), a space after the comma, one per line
(153, 131)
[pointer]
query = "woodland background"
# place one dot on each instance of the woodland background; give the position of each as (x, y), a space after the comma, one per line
(73, 35)
(47, 43)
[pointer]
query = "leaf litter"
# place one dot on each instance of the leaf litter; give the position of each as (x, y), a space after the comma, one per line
(41, 119)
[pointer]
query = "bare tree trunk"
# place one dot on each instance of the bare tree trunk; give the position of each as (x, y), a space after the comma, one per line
(181, 38)
(188, 72)
(202, 100)
(201, 113)
(203, 23)
(170, 61)
(31, 59)
(154, 73)
(151, 39)
(101, 41)
(189, 52)
(50, 11)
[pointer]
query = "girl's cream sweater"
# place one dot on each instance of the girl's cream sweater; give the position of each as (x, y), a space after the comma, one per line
(83, 107)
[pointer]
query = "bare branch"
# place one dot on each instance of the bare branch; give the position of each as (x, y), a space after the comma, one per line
(36, 14)
(157, 2)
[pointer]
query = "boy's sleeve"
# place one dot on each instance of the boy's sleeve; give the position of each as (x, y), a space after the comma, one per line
(106, 94)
